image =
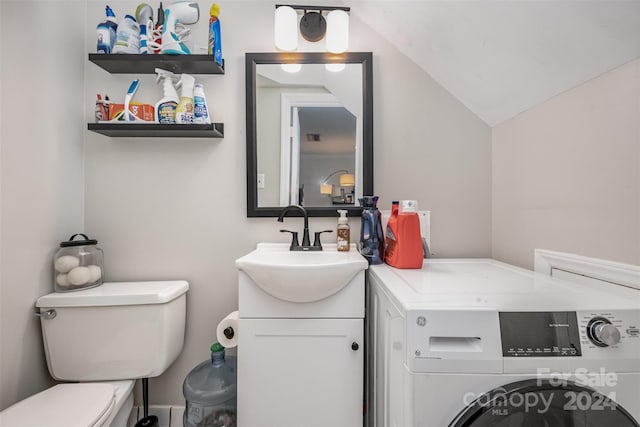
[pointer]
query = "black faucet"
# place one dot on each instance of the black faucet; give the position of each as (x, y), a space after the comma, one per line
(306, 244)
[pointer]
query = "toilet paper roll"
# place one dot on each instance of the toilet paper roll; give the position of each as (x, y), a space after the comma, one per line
(227, 331)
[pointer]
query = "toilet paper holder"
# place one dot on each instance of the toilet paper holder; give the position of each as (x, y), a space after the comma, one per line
(229, 333)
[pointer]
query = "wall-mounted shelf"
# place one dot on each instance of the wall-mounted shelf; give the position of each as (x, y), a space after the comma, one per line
(147, 64)
(156, 130)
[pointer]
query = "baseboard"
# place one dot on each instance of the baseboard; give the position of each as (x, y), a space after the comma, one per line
(168, 416)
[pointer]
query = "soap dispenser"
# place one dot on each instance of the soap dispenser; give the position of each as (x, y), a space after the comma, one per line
(343, 232)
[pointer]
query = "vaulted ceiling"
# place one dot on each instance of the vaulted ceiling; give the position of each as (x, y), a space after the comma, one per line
(500, 58)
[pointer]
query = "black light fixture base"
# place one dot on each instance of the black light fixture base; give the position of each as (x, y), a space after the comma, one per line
(313, 26)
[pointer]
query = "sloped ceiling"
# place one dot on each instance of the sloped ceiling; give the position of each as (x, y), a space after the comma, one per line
(500, 58)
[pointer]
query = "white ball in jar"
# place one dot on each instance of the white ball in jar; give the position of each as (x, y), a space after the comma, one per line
(62, 280)
(66, 263)
(79, 276)
(95, 273)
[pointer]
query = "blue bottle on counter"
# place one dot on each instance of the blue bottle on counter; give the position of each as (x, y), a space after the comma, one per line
(371, 235)
(107, 32)
(210, 392)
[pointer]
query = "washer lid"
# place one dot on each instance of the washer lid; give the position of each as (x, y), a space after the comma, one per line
(65, 405)
(117, 293)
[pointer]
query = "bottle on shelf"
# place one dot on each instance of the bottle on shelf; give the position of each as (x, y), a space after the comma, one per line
(184, 110)
(107, 32)
(215, 41)
(127, 36)
(165, 108)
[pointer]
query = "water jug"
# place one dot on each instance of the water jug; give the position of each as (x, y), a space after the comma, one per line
(371, 236)
(210, 392)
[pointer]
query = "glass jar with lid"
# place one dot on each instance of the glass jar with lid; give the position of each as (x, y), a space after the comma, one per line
(77, 264)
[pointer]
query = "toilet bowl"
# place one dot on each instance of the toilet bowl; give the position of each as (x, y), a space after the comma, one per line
(103, 339)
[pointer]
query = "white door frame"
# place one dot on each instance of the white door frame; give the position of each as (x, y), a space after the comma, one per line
(290, 139)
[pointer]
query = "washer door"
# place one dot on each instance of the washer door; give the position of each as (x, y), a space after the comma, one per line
(540, 403)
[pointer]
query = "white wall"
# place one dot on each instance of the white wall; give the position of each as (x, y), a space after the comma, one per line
(176, 208)
(566, 174)
(41, 192)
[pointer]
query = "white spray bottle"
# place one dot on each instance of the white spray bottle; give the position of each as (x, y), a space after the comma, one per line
(165, 109)
(184, 111)
(200, 110)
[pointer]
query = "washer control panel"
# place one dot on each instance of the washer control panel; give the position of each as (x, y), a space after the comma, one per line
(540, 334)
(609, 329)
(569, 333)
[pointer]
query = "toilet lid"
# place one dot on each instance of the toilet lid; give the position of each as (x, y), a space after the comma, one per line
(65, 405)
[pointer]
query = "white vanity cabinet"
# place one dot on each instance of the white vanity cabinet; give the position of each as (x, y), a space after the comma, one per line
(300, 363)
(300, 372)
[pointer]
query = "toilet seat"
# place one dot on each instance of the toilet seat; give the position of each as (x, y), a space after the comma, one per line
(64, 405)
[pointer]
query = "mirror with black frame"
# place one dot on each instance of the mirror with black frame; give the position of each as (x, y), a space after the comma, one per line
(309, 132)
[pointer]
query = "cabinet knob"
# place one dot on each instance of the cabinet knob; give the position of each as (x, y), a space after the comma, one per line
(354, 346)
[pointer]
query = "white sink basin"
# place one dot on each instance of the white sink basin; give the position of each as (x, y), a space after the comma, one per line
(301, 276)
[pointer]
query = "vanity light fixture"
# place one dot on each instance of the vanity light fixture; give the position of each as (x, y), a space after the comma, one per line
(313, 26)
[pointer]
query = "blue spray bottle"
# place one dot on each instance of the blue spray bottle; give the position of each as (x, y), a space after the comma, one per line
(215, 42)
(107, 32)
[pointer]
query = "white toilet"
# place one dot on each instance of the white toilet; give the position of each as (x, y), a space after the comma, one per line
(103, 339)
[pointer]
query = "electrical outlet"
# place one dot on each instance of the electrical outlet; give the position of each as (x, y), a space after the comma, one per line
(260, 180)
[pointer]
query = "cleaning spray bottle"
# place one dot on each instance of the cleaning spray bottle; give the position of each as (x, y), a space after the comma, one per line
(344, 238)
(184, 110)
(107, 32)
(200, 110)
(165, 109)
(215, 42)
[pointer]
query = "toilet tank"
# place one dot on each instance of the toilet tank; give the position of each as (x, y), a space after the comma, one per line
(119, 330)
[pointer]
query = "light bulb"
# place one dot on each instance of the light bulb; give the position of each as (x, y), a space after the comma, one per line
(337, 31)
(334, 68)
(286, 28)
(291, 68)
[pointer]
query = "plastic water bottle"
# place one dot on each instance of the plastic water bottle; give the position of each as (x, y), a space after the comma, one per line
(210, 392)
(127, 36)
(107, 32)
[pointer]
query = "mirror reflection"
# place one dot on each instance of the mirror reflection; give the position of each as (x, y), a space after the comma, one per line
(309, 125)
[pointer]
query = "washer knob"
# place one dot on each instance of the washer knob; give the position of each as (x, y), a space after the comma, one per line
(602, 333)
(607, 334)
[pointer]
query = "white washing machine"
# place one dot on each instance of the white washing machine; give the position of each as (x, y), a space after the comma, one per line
(473, 343)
